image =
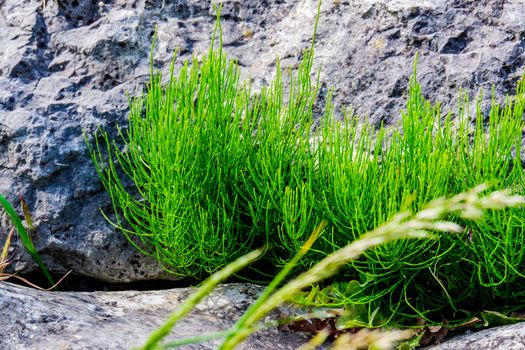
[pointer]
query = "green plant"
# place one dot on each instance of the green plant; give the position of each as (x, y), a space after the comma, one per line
(402, 226)
(5, 261)
(215, 169)
(428, 157)
(24, 237)
(218, 171)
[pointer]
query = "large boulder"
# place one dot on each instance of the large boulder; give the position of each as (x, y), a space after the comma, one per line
(65, 70)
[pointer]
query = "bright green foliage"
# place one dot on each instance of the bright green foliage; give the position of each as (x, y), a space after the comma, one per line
(373, 176)
(405, 225)
(219, 171)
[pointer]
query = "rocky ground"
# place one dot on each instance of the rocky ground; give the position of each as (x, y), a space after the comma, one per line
(122, 320)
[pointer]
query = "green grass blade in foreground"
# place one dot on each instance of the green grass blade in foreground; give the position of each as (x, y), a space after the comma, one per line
(212, 282)
(260, 300)
(24, 237)
(283, 273)
(196, 297)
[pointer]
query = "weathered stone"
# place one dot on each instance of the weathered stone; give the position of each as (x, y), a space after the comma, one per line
(34, 319)
(65, 69)
(510, 337)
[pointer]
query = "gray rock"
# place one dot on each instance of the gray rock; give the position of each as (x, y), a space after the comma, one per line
(65, 69)
(510, 337)
(37, 320)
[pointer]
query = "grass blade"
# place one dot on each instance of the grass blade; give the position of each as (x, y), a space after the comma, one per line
(197, 296)
(24, 237)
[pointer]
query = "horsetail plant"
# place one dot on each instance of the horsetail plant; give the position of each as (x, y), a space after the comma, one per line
(211, 165)
(206, 171)
(421, 225)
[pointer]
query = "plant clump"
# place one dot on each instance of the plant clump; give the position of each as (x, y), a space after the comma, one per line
(219, 171)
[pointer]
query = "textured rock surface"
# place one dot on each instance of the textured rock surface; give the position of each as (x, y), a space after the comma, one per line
(122, 320)
(65, 70)
(507, 337)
